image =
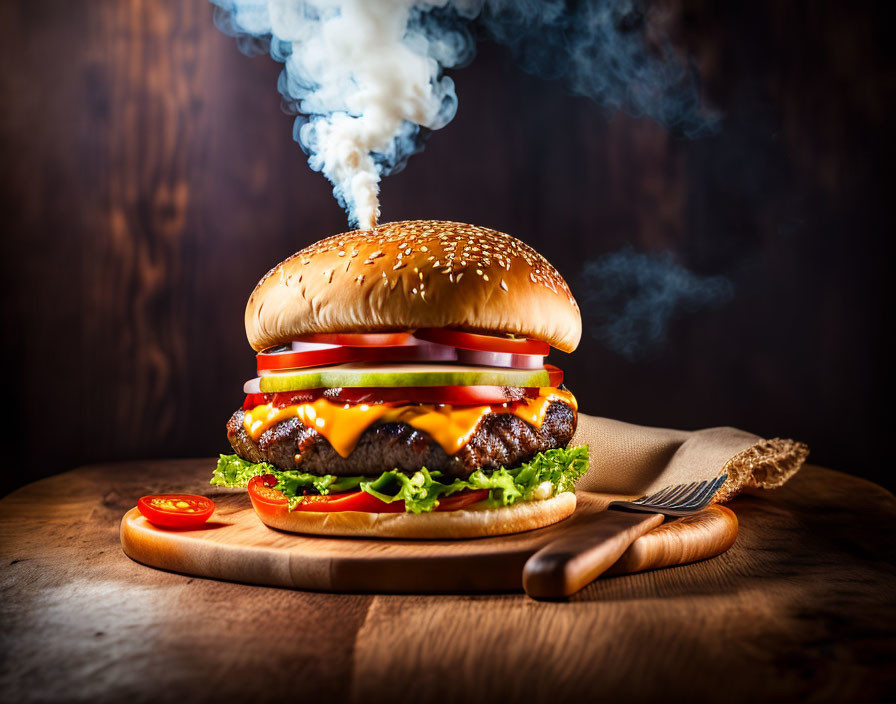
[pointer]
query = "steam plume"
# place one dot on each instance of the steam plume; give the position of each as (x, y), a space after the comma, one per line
(366, 76)
(630, 298)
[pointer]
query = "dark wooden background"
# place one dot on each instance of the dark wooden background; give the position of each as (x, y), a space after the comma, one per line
(149, 178)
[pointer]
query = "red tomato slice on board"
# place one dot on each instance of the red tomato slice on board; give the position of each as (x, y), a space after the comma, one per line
(176, 510)
(267, 500)
(375, 339)
(487, 343)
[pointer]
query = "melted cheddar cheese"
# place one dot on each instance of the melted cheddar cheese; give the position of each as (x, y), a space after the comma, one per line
(450, 426)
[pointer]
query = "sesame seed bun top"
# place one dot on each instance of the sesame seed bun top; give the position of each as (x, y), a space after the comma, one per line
(414, 274)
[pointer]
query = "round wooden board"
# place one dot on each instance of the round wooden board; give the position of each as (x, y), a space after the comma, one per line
(236, 546)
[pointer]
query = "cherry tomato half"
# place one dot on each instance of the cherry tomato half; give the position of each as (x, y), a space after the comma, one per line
(176, 510)
(487, 343)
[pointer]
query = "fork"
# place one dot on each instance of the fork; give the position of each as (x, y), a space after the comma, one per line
(566, 565)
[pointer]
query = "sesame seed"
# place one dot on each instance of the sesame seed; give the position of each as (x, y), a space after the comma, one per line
(424, 248)
(457, 280)
(341, 253)
(485, 277)
(503, 285)
(360, 279)
(399, 265)
(479, 272)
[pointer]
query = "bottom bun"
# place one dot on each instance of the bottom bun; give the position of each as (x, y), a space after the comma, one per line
(463, 523)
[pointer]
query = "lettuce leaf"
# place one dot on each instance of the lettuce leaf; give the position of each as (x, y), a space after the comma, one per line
(547, 474)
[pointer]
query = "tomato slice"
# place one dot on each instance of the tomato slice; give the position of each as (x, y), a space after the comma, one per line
(351, 501)
(375, 339)
(464, 498)
(449, 395)
(268, 500)
(310, 358)
(176, 510)
(555, 375)
(487, 343)
(422, 352)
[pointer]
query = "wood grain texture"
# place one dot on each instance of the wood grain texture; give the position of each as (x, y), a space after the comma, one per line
(679, 542)
(801, 608)
(236, 546)
(567, 564)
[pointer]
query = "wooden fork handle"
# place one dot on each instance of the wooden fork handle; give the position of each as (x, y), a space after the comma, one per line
(565, 566)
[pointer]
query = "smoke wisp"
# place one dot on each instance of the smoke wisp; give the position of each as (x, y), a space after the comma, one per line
(631, 298)
(366, 77)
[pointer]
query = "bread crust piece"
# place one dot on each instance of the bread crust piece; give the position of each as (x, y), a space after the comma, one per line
(414, 274)
(438, 525)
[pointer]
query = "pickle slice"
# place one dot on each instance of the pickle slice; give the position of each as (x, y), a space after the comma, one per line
(391, 375)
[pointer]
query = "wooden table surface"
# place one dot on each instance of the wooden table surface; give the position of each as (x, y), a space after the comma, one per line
(803, 606)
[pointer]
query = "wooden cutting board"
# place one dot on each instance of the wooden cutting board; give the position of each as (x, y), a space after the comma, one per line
(235, 546)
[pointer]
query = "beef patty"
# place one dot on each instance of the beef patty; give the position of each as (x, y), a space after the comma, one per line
(502, 439)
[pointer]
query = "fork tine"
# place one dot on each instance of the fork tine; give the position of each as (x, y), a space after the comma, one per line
(684, 497)
(695, 497)
(683, 491)
(657, 496)
(704, 494)
(698, 498)
(678, 500)
(662, 496)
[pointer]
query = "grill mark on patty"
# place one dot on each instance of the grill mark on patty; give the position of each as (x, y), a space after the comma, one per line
(501, 439)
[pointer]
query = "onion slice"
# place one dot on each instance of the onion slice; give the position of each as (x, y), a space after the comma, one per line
(500, 359)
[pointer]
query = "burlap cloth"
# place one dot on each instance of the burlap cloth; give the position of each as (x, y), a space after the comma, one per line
(633, 460)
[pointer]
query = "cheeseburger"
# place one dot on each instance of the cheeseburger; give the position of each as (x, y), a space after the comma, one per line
(402, 389)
